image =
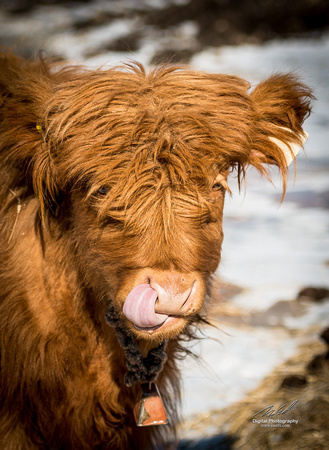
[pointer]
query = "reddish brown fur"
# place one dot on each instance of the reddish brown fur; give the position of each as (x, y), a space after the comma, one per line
(156, 141)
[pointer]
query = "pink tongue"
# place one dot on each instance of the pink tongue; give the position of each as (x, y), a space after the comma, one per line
(139, 307)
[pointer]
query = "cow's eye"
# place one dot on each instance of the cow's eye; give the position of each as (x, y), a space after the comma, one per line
(103, 191)
(218, 187)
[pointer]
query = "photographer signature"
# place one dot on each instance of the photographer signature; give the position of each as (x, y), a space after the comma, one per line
(270, 412)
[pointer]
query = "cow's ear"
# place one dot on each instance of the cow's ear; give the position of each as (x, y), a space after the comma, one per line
(281, 104)
(287, 146)
(290, 149)
(25, 88)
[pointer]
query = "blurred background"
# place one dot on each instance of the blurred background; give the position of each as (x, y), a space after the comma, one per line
(270, 302)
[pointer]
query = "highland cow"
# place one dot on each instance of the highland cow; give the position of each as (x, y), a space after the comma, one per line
(111, 200)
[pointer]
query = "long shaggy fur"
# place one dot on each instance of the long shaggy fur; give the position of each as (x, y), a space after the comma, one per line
(104, 173)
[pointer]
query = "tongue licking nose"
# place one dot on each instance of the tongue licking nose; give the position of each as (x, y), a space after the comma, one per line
(139, 307)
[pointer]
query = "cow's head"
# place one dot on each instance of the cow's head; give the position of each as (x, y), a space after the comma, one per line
(143, 159)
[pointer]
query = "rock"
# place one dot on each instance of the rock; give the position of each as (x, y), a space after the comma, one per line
(317, 363)
(314, 294)
(277, 314)
(293, 381)
(325, 336)
(220, 442)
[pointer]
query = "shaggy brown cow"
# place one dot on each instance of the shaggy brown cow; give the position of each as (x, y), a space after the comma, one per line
(112, 191)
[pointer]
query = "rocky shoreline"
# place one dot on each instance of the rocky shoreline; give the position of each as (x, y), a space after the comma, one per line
(302, 377)
(302, 381)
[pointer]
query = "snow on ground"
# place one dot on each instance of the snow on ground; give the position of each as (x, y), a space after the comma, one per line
(270, 250)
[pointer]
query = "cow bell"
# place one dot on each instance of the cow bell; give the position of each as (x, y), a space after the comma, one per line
(149, 410)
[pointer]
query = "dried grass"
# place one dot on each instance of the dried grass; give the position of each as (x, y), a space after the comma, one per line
(311, 411)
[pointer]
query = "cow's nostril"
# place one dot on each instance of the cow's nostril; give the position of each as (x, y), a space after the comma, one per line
(174, 299)
(189, 294)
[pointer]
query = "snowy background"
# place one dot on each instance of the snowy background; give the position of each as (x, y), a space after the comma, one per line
(270, 251)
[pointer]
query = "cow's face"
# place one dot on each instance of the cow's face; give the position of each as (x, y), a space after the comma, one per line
(151, 237)
(145, 159)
